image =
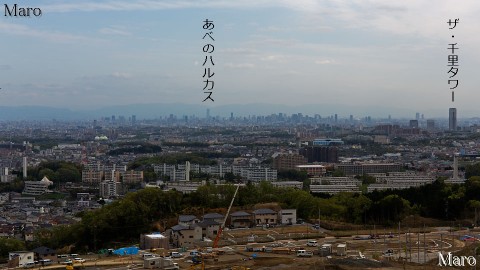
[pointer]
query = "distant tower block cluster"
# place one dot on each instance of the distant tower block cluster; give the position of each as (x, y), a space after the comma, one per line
(452, 119)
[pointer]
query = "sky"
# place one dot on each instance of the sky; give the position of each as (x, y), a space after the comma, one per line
(91, 54)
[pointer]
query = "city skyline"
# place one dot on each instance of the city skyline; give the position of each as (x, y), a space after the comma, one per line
(361, 54)
(198, 111)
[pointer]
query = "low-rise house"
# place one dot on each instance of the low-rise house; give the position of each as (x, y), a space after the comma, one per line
(28, 234)
(265, 216)
(4, 197)
(44, 253)
(214, 216)
(209, 228)
(287, 216)
(82, 203)
(187, 220)
(185, 236)
(240, 219)
(20, 258)
(7, 230)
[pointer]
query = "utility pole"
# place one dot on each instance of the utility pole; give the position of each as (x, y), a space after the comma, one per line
(384, 236)
(475, 256)
(319, 218)
(418, 247)
(424, 247)
(409, 246)
(406, 245)
(95, 238)
(453, 239)
(399, 242)
(441, 243)
(375, 238)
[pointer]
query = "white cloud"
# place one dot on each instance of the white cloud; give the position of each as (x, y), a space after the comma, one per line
(409, 17)
(114, 31)
(239, 65)
(22, 30)
(240, 51)
(402, 17)
(121, 75)
(88, 6)
(324, 62)
(274, 58)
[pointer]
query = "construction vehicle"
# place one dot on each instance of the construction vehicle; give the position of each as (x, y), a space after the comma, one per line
(217, 238)
(197, 263)
(209, 255)
(304, 253)
(69, 266)
(200, 266)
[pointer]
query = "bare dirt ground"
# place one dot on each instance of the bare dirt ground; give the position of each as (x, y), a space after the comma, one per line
(412, 245)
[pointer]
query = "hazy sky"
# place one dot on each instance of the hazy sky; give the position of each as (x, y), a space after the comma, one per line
(89, 54)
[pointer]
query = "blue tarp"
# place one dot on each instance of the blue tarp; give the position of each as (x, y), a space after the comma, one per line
(126, 251)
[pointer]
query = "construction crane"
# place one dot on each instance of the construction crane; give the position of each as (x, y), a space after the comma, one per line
(217, 238)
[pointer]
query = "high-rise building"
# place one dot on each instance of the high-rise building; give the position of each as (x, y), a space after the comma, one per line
(413, 123)
(320, 154)
(430, 124)
(110, 189)
(132, 177)
(208, 113)
(288, 161)
(452, 119)
(417, 116)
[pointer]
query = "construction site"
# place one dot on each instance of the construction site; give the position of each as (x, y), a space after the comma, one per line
(301, 246)
(391, 251)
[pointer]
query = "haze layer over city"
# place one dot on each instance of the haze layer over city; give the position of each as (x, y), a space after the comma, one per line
(365, 58)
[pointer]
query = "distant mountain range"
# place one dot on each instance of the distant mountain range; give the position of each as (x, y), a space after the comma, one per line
(152, 111)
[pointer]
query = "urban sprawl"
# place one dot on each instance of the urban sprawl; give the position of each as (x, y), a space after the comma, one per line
(233, 185)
